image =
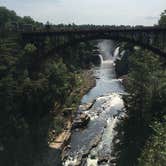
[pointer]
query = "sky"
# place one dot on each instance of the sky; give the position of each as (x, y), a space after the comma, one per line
(100, 12)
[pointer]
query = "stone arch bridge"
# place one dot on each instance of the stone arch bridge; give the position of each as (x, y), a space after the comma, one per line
(152, 38)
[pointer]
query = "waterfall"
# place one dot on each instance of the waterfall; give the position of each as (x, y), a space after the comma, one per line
(101, 58)
(106, 48)
(116, 53)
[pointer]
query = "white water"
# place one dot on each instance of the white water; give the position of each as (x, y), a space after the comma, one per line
(108, 105)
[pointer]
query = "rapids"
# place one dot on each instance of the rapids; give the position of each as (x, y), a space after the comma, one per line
(92, 146)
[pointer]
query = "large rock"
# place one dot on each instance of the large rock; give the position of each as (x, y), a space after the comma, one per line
(113, 161)
(103, 159)
(81, 121)
(61, 140)
(104, 155)
(95, 141)
(85, 107)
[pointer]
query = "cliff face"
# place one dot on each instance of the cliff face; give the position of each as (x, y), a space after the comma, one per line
(144, 108)
(122, 65)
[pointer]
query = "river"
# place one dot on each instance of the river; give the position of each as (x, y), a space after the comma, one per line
(92, 145)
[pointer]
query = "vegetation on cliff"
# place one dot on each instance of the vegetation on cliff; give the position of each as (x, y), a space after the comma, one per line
(33, 91)
(142, 131)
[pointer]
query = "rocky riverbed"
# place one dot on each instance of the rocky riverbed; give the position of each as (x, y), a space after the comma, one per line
(91, 145)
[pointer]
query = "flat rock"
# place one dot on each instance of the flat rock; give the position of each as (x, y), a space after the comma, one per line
(61, 140)
(85, 107)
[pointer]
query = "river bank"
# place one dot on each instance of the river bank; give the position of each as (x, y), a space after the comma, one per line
(61, 140)
(86, 82)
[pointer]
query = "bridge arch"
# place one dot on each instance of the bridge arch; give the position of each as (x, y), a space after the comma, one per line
(118, 39)
(147, 37)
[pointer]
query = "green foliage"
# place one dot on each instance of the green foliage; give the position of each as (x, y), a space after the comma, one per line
(162, 21)
(30, 48)
(7, 16)
(30, 85)
(28, 20)
(61, 81)
(154, 153)
(80, 55)
(144, 104)
(10, 21)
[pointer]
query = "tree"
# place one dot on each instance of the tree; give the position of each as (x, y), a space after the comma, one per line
(7, 16)
(162, 20)
(27, 20)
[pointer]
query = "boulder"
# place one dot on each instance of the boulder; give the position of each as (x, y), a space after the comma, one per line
(95, 141)
(93, 156)
(103, 156)
(85, 153)
(81, 121)
(113, 160)
(103, 160)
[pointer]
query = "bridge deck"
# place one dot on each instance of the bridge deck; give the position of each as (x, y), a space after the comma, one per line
(94, 30)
